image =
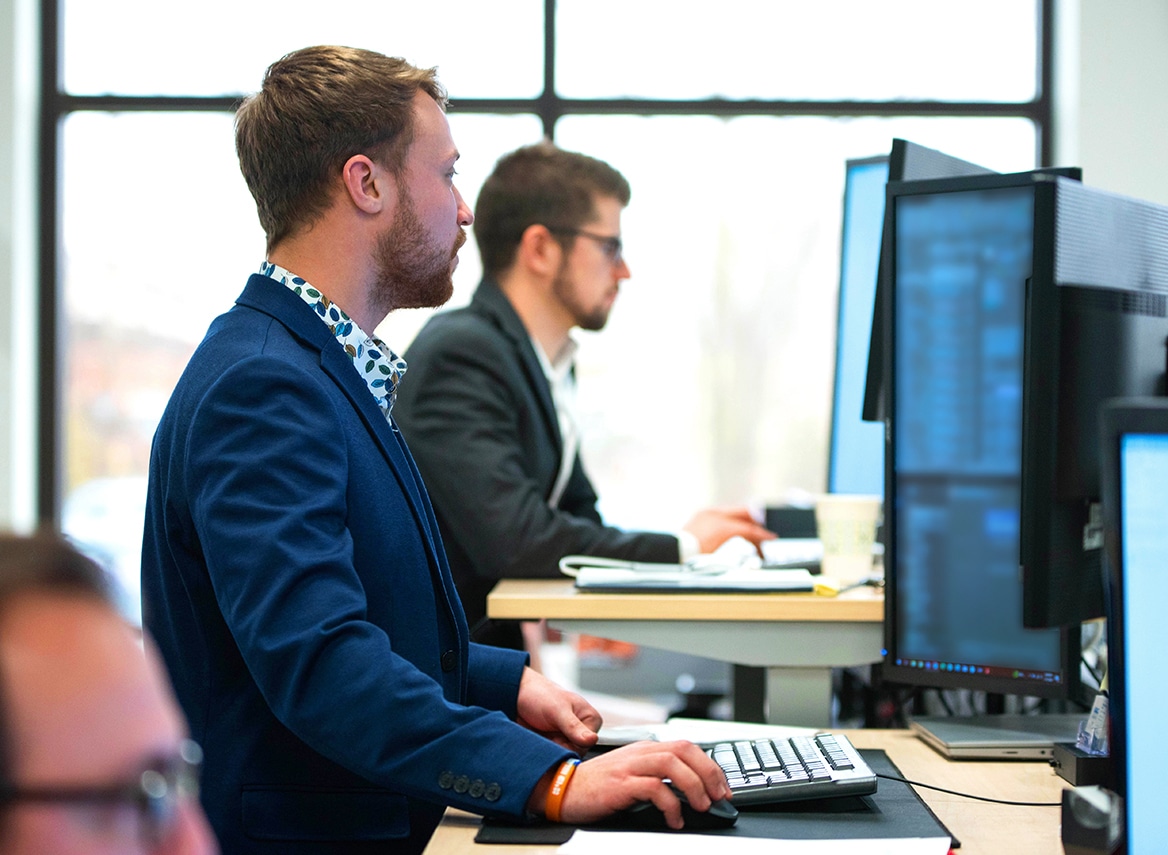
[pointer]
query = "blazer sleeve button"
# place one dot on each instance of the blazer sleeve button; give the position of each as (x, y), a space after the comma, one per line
(477, 788)
(493, 792)
(446, 780)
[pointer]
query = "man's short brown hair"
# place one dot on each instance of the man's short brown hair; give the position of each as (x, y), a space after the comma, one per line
(539, 184)
(318, 107)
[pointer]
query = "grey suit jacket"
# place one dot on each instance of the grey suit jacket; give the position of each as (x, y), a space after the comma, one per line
(477, 411)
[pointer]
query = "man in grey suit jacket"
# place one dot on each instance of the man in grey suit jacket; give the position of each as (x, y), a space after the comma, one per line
(292, 570)
(487, 408)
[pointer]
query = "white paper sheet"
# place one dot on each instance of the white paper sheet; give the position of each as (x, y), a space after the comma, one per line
(640, 842)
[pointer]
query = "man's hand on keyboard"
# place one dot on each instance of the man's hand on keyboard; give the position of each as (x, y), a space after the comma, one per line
(636, 773)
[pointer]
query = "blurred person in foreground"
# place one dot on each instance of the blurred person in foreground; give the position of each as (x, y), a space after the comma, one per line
(292, 570)
(94, 755)
(489, 406)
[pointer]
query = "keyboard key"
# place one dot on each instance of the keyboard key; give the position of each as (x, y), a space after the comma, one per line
(747, 757)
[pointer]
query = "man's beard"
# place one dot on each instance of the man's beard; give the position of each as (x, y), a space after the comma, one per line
(412, 271)
(592, 319)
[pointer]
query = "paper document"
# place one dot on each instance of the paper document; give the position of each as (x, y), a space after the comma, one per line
(639, 842)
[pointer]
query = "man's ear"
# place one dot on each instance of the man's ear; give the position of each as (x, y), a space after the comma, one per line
(370, 187)
(539, 251)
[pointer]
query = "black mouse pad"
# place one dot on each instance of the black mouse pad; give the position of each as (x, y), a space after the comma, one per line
(500, 831)
(894, 810)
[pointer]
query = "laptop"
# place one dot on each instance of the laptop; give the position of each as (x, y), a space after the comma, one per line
(1134, 471)
(683, 580)
(998, 737)
(610, 575)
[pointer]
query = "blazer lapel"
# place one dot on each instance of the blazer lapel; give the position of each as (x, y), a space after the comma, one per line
(268, 296)
(490, 301)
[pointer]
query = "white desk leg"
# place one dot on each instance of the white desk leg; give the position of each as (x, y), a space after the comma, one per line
(799, 696)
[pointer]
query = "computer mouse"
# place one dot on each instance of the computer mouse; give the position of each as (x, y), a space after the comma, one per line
(647, 816)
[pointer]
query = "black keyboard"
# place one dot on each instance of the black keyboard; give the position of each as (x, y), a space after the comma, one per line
(763, 771)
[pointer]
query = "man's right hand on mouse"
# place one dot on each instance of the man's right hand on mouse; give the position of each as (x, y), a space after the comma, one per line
(618, 779)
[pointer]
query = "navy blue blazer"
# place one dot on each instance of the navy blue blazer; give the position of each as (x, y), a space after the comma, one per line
(295, 582)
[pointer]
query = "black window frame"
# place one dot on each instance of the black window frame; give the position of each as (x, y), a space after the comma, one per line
(549, 107)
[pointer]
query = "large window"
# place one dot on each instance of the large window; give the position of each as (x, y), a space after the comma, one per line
(712, 382)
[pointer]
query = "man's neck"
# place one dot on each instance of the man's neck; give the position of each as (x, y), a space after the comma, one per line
(544, 318)
(327, 271)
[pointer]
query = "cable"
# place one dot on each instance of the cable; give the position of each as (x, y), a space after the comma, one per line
(967, 795)
(944, 702)
(1098, 677)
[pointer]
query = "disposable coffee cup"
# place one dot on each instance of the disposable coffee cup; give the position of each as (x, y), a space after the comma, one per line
(846, 524)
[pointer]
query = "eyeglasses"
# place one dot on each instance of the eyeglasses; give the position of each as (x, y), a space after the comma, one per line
(155, 795)
(611, 245)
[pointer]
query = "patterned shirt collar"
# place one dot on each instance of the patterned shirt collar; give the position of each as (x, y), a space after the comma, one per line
(380, 367)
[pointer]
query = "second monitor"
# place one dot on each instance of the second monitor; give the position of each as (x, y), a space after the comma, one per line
(962, 255)
(856, 458)
(1010, 325)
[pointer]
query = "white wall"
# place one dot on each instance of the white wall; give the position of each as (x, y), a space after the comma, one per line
(1111, 119)
(18, 41)
(1112, 94)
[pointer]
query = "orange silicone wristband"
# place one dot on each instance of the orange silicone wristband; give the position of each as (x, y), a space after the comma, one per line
(555, 797)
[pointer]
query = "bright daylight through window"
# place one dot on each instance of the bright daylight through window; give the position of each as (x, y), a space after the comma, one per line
(714, 374)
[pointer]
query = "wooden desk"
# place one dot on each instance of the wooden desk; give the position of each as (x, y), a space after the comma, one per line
(983, 828)
(796, 638)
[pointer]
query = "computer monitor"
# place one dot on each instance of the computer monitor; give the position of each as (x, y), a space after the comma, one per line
(961, 255)
(1097, 329)
(1134, 457)
(907, 161)
(856, 456)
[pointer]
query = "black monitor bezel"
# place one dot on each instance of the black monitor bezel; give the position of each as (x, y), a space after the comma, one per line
(1069, 686)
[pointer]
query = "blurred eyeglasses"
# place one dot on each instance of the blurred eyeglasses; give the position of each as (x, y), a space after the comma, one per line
(154, 795)
(610, 244)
